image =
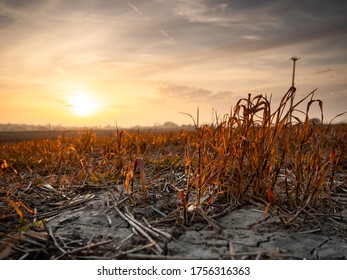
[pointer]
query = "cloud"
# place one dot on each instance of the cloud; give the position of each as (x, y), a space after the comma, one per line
(182, 92)
(165, 34)
(135, 9)
(324, 71)
(251, 37)
(208, 32)
(187, 94)
(202, 30)
(195, 50)
(202, 12)
(279, 23)
(5, 21)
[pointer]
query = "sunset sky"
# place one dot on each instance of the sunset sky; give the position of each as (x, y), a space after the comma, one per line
(143, 62)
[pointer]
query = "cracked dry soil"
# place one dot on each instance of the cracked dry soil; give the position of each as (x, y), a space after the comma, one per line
(244, 234)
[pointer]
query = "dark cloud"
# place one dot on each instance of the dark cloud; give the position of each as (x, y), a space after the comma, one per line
(148, 26)
(324, 71)
(5, 21)
(279, 21)
(20, 4)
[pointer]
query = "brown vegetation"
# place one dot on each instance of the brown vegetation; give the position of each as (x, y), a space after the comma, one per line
(252, 156)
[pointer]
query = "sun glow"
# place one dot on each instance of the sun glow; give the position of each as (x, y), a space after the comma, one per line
(82, 104)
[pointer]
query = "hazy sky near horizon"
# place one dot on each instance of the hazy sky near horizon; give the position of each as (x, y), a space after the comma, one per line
(144, 62)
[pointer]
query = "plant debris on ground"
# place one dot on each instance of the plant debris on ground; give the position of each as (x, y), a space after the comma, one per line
(248, 185)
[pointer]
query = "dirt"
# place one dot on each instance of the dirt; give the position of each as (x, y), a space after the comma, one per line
(91, 222)
(243, 234)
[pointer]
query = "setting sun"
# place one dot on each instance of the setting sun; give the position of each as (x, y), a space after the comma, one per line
(82, 104)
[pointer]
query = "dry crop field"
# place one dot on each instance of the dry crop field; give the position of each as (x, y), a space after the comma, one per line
(65, 198)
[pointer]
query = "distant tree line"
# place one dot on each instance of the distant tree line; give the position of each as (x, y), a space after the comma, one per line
(31, 127)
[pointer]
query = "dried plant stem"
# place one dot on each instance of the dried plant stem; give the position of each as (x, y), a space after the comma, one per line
(158, 250)
(87, 247)
(166, 235)
(216, 227)
(50, 233)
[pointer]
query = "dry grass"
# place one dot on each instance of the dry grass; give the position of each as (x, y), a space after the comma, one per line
(254, 155)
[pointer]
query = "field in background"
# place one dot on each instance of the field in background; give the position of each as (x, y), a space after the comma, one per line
(18, 136)
(295, 169)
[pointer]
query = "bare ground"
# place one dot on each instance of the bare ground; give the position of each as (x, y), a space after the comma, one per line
(103, 223)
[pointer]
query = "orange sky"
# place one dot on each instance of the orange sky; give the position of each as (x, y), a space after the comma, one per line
(144, 62)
